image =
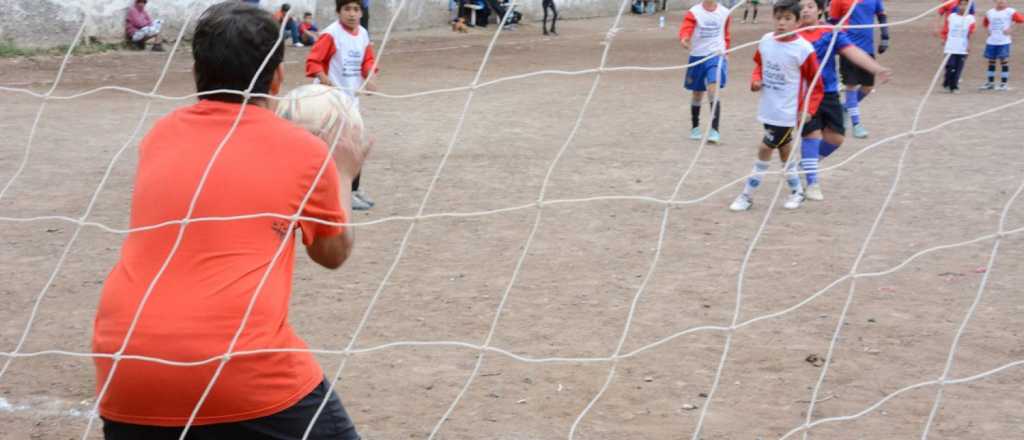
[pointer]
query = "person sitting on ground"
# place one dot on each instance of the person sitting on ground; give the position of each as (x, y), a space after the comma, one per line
(290, 26)
(308, 32)
(140, 28)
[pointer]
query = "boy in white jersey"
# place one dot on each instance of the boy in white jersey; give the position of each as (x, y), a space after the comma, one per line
(785, 66)
(343, 57)
(999, 22)
(705, 33)
(957, 32)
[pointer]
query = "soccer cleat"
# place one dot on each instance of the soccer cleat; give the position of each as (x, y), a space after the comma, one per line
(695, 134)
(1003, 87)
(813, 192)
(987, 86)
(714, 136)
(794, 200)
(742, 203)
(859, 131)
(359, 204)
(361, 195)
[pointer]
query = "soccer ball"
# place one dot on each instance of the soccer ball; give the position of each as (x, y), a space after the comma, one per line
(326, 112)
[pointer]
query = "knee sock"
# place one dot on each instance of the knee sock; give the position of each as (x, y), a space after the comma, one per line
(745, 13)
(355, 182)
(809, 151)
(716, 114)
(861, 95)
(991, 71)
(756, 176)
(695, 114)
(826, 150)
(852, 105)
(793, 178)
(1006, 73)
(755, 14)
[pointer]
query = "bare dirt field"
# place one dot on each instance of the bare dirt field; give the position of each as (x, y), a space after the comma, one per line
(589, 260)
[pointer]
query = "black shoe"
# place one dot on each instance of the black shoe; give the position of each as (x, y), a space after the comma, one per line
(158, 47)
(545, 32)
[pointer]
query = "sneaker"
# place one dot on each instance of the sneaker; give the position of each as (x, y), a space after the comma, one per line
(987, 86)
(158, 47)
(714, 136)
(794, 200)
(1003, 87)
(695, 134)
(813, 192)
(859, 131)
(742, 203)
(359, 204)
(361, 195)
(297, 44)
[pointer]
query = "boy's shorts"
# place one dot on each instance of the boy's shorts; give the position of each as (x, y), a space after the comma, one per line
(1000, 52)
(699, 76)
(333, 424)
(776, 137)
(854, 75)
(829, 115)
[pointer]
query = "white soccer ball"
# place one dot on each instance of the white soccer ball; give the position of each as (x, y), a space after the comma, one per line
(326, 112)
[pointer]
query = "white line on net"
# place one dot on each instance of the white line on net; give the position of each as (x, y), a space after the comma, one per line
(757, 236)
(610, 376)
(470, 214)
(834, 342)
(81, 221)
(609, 38)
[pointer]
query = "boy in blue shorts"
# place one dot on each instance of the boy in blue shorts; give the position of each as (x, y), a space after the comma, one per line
(705, 32)
(859, 82)
(999, 22)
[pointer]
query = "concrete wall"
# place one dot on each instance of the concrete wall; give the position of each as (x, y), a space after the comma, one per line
(35, 23)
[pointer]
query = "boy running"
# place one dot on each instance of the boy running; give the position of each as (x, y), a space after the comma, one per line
(859, 82)
(999, 22)
(705, 32)
(784, 70)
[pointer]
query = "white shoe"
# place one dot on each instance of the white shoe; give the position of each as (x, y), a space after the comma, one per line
(696, 134)
(714, 136)
(794, 200)
(987, 86)
(1002, 87)
(813, 192)
(299, 45)
(365, 198)
(742, 203)
(860, 132)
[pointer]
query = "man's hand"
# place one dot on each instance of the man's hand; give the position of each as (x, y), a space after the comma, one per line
(756, 85)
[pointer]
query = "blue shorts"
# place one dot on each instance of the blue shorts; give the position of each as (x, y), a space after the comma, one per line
(1000, 52)
(698, 77)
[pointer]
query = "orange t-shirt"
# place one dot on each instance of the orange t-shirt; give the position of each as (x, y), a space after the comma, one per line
(197, 305)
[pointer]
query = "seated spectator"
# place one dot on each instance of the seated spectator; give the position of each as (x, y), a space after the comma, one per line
(140, 28)
(308, 32)
(291, 26)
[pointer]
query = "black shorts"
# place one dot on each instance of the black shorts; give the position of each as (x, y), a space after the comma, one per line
(829, 115)
(853, 75)
(777, 137)
(289, 424)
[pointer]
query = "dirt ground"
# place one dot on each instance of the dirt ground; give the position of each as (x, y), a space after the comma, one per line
(588, 259)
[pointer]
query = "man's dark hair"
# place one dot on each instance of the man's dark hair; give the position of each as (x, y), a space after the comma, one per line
(230, 43)
(338, 4)
(790, 6)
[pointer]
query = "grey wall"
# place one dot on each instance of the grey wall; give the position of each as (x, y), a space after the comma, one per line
(41, 23)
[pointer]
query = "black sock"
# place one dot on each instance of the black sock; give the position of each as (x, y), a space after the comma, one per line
(755, 14)
(745, 12)
(355, 182)
(716, 113)
(695, 115)
(1006, 73)
(992, 71)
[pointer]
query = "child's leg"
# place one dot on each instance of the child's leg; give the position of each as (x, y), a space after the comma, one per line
(755, 12)
(958, 69)
(830, 143)
(810, 150)
(792, 176)
(1005, 74)
(764, 154)
(716, 109)
(695, 103)
(852, 104)
(991, 71)
(544, 23)
(746, 12)
(554, 15)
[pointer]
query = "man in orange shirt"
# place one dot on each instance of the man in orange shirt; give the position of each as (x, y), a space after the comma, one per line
(179, 292)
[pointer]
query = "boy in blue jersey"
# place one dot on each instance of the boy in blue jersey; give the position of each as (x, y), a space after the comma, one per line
(858, 81)
(824, 133)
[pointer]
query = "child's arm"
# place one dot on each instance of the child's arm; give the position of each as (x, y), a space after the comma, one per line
(817, 89)
(756, 80)
(370, 66)
(686, 30)
(319, 59)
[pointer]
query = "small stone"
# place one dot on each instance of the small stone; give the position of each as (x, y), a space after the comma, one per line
(704, 395)
(649, 379)
(521, 401)
(689, 406)
(872, 320)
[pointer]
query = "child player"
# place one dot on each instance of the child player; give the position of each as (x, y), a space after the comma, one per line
(999, 22)
(343, 57)
(859, 82)
(308, 32)
(784, 68)
(958, 30)
(705, 33)
(825, 132)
